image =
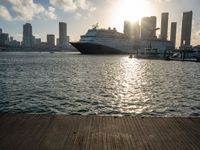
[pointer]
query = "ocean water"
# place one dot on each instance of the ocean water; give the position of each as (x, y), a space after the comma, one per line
(75, 84)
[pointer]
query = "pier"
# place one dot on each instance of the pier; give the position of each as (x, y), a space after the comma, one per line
(29, 131)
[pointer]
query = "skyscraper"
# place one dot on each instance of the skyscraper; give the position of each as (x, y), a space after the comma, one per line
(173, 33)
(136, 30)
(164, 26)
(132, 30)
(62, 34)
(33, 41)
(186, 28)
(4, 39)
(27, 35)
(50, 40)
(37, 41)
(148, 25)
(128, 29)
(0, 30)
(57, 42)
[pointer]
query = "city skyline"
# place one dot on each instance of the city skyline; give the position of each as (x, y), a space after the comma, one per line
(82, 14)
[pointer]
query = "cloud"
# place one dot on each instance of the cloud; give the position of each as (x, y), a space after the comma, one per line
(63, 4)
(25, 9)
(85, 5)
(50, 13)
(195, 32)
(4, 13)
(28, 9)
(78, 16)
(72, 5)
(161, 1)
(146, 1)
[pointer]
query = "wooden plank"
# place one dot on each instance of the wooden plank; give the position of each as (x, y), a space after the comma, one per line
(23, 131)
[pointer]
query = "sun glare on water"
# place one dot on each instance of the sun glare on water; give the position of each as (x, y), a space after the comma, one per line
(132, 10)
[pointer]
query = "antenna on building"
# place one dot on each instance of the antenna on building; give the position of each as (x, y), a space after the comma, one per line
(95, 26)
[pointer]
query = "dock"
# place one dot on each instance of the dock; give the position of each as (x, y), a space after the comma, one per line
(31, 131)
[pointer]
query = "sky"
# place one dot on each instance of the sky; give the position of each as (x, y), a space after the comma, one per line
(80, 15)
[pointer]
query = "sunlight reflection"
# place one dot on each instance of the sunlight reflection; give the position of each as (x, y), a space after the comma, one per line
(129, 86)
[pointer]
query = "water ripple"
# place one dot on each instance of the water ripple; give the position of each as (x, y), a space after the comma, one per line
(76, 84)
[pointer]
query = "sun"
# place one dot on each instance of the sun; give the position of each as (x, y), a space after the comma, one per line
(132, 10)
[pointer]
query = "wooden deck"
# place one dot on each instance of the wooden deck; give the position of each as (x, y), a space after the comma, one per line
(24, 132)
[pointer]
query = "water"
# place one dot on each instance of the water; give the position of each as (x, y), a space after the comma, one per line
(63, 83)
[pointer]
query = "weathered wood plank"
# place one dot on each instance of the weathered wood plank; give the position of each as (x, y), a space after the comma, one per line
(23, 131)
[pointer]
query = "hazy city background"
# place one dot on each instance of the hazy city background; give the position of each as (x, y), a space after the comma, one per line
(144, 29)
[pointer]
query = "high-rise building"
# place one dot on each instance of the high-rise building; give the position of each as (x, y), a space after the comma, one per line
(37, 41)
(148, 26)
(14, 43)
(136, 30)
(11, 39)
(186, 28)
(33, 41)
(1, 31)
(132, 30)
(68, 39)
(57, 42)
(173, 33)
(128, 29)
(4, 39)
(62, 34)
(50, 40)
(164, 26)
(27, 35)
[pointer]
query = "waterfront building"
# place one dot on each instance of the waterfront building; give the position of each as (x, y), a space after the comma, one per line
(33, 40)
(50, 40)
(11, 39)
(148, 26)
(128, 29)
(57, 42)
(27, 35)
(164, 26)
(136, 30)
(186, 29)
(173, 33)
(132, 30)
(68, 38)
(38, 41)
(4, 39)
(43, 45)
(14, 43)
(62, 34)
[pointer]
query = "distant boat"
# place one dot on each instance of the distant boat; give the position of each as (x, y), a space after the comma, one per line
(51, 52)
(148, 53)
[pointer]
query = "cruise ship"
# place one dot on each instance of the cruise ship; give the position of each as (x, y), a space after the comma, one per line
(109, 41)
